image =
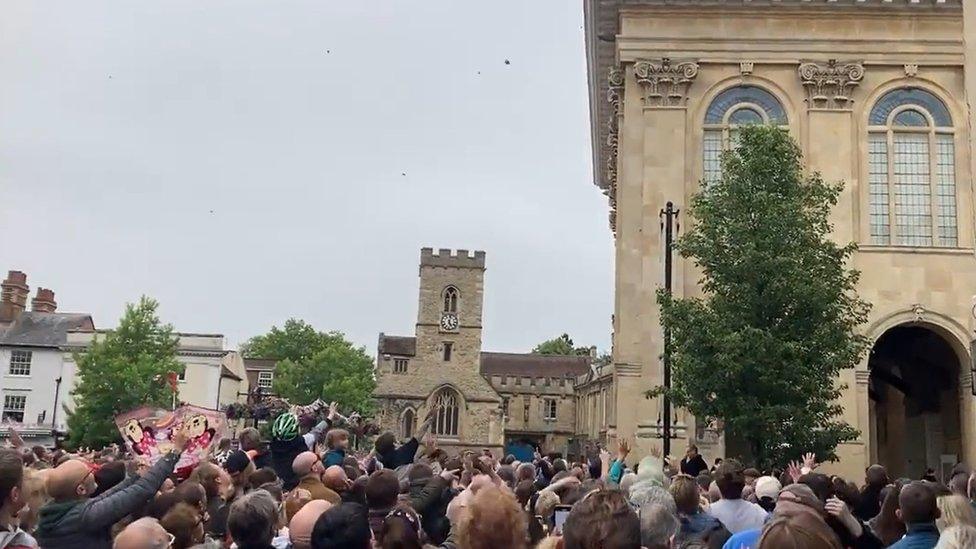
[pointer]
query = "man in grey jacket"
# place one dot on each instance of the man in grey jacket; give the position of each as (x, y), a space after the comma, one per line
(75, 520)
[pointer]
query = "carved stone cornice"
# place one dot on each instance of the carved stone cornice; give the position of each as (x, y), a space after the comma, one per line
(665, 83)
(830, 85)
(615, 92)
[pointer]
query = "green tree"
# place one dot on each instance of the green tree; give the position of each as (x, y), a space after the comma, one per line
(126, 369)
(761, 350)
(562, 345)
(315, 364)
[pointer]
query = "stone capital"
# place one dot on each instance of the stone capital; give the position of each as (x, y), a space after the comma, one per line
(830, 85)
(665, 82)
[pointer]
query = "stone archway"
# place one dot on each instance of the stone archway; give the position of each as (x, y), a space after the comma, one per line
(914, 401)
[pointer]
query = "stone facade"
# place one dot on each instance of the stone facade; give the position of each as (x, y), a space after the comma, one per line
(660, 70)
(501, 398)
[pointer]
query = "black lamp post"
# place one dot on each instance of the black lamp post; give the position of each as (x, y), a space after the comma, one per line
(669, 223)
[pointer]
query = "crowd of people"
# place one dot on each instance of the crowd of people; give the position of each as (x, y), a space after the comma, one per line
(304, 488)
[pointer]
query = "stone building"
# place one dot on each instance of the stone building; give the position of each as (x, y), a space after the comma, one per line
(877, 93)
(486, 400)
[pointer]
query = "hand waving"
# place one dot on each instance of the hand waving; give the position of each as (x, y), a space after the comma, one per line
(623, 448)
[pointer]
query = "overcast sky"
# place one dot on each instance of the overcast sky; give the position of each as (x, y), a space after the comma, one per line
(244, 162)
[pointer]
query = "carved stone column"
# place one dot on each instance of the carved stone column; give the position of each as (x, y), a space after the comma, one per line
(831, 148)
(830, 85)
(665, 83)
(663, 87)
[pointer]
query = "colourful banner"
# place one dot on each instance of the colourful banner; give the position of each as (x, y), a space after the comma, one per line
(148, 431)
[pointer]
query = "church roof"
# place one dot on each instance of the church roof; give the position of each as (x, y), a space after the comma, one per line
(397, 345)
(533, 365)
(35, 329)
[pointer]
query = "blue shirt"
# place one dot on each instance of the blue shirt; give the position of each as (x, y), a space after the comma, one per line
(747, 539)
(919, 535)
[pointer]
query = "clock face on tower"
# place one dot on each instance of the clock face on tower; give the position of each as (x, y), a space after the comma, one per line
(449, 322)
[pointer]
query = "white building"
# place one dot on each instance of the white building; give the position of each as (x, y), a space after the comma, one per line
(38, 370)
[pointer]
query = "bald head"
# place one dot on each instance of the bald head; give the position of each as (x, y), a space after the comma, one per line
(70, 480)
(145, 533)
(876, 475)
(301, 525)
(305, 463)
(335, 478)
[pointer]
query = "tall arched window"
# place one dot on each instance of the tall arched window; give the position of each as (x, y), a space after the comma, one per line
(451, 296)
(910, 139)
(730, 110)
(446, 418)
(407, 423)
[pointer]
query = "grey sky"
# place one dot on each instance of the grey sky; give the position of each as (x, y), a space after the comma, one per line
(241, 161)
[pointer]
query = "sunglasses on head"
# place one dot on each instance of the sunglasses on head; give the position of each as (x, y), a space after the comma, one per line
(410, 518)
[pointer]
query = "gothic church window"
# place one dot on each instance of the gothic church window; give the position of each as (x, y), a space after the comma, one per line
(406, 424)
(446, 419)
(451, 296)
(730, 110)
(911, 171)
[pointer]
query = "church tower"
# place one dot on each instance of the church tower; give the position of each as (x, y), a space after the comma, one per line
(441, 365)
(449, 312)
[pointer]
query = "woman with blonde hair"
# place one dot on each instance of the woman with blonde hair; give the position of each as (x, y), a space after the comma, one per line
(955, 510)
(957, 537)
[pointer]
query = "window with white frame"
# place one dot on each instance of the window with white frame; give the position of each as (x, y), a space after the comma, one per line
(550, 409)
(265, 379)
(20, 362)
(400, 365)
(181, 375)
(13, 408)
(911, 171)
(730, 110)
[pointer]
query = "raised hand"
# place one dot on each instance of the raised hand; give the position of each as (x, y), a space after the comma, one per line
(810, 461)
(623, 448)
(450, 474)
(842, 513)
(794, 471)
(333, 411)
(180, 439)
(656, 452)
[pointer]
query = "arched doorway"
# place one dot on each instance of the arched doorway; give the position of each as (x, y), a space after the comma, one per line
(914, 401)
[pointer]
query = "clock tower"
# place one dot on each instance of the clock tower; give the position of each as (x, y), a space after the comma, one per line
(438, 370)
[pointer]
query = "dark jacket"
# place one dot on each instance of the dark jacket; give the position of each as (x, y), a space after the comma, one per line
(699, 527)
(922, 535)
(694, 466)
(87, 523)
(401, 456)
(284, 452)
(869, 504)
(430, 498)
(262, 460)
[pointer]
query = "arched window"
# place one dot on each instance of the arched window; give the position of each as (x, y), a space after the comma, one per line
(446, 417)
(407, 423)
(730, 110)
(451, 296)
(912, 170)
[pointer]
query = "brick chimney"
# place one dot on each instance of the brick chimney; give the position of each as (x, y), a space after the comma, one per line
(13, 296)
(44, 302)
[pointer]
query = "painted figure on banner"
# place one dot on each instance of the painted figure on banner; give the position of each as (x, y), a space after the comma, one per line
(147, 432)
